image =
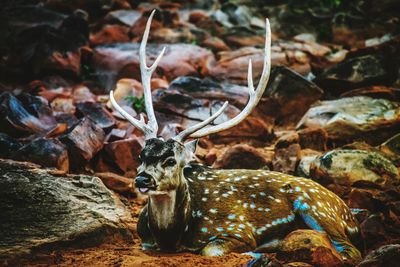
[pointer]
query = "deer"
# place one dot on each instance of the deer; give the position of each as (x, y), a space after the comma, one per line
(192, 207)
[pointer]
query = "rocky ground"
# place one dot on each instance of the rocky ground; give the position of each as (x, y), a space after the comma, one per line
(331, 113)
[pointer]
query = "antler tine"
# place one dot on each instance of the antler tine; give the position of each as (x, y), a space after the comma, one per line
(184, 134)
(254, 95)
(146, 73)
(138, 124)
(151, 128)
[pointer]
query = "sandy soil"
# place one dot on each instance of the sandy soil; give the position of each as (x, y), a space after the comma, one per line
(115, 255)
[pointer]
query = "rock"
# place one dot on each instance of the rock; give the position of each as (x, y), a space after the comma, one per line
(83, 141)
(25, 115)
(313, 138)
(288, 96)
(232, 65)
(286, 159)
(309, 246)
(117, 61)
(208, 89)
(303, 168)
(378, 91)
(388, 255)
(117, 183)
(346, 167)
(8, 146)
(391, 148)
(241, 156)
(125, 154)
(354, 118)
(97, 113)
(41, 212)
(127, 17)
(356, 72)
(63, 105)
(373, 231)
(110, 34)
(45, 152)
(82, 93)
(45, 41)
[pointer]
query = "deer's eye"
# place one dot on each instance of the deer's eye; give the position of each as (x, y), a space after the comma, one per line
(169, 162)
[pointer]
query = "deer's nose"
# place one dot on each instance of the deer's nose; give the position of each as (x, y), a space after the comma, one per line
(142, 180)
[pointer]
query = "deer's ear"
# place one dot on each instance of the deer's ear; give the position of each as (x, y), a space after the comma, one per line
(191, 145)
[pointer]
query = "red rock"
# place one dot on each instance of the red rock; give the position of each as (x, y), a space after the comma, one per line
(117, 183)
(288, 96)
(122, 61)
(45, 152)
(81, 93)
(65, 62)
(285, 159)
(110, 34)
(97, 113)
(125, 153)
(309, 246)
(241, 156)
(83, 142)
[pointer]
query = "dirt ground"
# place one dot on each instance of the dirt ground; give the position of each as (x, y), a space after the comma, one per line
(131, 255)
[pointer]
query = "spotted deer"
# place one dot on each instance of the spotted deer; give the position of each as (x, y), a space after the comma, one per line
(195, 208)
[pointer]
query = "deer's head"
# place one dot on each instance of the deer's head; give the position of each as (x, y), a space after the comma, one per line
(162, 162)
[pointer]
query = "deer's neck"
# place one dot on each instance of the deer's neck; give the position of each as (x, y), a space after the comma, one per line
(169, 214)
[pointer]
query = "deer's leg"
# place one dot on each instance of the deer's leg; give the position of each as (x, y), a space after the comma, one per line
(222, 246)
(331, 226)
(144, 231)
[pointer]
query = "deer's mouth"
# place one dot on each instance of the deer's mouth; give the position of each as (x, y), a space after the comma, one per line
(147, 189)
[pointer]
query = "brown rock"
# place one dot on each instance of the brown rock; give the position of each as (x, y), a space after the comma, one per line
(110, 34)
(122, 61)
(313, 138)
(61, 105)
(83, 141)
(288, 96)
(373, 231)
(66, 62)
(45, 152)
(241, 156)
(309, 246)
(388, 255)
(125, 153)
(97, 113)
(285, 159)
(379, 91)
(81, 93)
(117, 183)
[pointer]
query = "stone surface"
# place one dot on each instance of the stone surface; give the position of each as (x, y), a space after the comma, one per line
(113, 62)
(355, 118)
(309, 246)
(83, 141)
(356, 72)
(42, 211)
(241, 156)
(388, 255)
(288, 96)
(347, 167)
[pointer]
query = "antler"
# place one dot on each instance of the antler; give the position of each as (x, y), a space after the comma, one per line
(197, 131)
(151, 128)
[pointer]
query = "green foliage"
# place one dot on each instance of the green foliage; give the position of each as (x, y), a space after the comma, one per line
(137, 103)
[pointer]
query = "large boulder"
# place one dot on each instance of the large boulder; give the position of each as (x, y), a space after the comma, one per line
(44, 209)
(354, 118)
(347, 167)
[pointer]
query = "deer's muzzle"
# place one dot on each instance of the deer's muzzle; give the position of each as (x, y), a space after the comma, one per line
(145, 182)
